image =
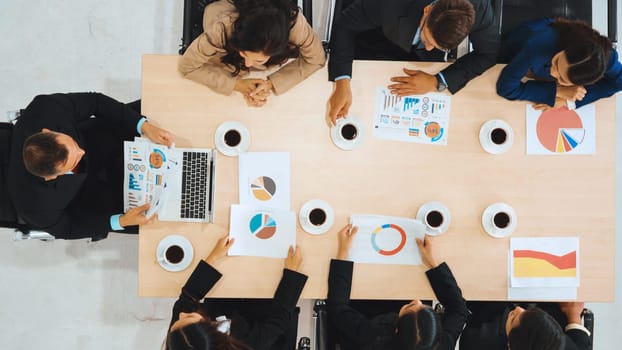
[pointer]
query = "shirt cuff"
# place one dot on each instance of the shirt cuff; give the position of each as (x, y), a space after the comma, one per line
(577, 326)
(114, 222)
(140, 125)
(440, 74)
(343, 77)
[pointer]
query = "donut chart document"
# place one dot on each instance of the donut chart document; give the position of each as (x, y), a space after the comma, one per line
(386, 240)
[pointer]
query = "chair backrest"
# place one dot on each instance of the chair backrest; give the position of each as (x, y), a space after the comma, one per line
(8, 216)
(516, 12)
(193, 19)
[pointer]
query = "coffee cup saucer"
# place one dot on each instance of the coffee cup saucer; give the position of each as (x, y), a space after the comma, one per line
(486, 142)
(180, 241)
(487, 220)
(219, 138)
(303, 217)
(440, 207)
(340, 141)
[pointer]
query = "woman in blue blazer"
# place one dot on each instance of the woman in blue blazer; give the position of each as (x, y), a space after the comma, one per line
(567, 61)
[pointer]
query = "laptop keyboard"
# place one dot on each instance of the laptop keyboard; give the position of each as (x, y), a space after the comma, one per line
(194, 185)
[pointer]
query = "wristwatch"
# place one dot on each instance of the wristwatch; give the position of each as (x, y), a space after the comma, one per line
(440, 86)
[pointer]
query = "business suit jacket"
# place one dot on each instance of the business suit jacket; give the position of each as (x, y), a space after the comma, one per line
(485, 328)
(357, 331)
(265, 334)
(78, 205)
(201, 61)
(399, 20)
(530, 49)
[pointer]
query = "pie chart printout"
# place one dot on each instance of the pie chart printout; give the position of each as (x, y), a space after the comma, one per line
(262, 226)
(263, 188)
(560, 130)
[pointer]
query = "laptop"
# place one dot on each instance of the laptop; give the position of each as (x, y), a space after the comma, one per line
(188, 191)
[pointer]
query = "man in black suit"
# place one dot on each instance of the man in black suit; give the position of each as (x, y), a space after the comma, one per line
(66, 167)
(419, 30)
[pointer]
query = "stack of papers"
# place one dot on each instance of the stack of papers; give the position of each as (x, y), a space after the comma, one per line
(263, 224)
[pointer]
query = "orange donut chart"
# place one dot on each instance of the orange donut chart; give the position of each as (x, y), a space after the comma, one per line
(388, 252)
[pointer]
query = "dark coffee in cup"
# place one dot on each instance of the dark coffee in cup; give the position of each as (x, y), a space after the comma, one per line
(349, 132)
(317, 217)
(501, 220)
(232, 138)
(174, 254)
(498, 136)
(434, 218)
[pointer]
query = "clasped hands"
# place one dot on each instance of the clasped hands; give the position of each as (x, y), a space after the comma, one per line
(254, 91)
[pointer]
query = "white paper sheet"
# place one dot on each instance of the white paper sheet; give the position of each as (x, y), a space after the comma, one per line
(561, 131)
(542, 293)
(386, 240)
(259, 231)
(264, 179)
(544, 262)
(415, 118)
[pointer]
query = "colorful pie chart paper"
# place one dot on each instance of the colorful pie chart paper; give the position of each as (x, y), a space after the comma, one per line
(264, 179)
(260, 231)
(561, 131)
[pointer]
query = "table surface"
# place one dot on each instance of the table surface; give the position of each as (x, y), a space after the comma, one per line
(552, 195)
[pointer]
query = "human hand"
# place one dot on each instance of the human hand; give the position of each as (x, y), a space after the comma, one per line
(427, 252)
(573, 93)
(157, 135)
(136, 216)
(416, 82)
(340, 101)
(254, 91)
(572, 310)
(345, 236)
(220, 250)
(294, 258)
(545, 107)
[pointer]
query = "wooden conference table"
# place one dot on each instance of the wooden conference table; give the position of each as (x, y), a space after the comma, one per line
(553, 196)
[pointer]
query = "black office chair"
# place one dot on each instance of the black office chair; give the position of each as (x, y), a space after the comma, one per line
(325, 340)
(193, 19)
(515, 12)
(8, 215)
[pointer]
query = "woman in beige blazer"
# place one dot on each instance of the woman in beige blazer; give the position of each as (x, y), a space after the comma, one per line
(244, 35)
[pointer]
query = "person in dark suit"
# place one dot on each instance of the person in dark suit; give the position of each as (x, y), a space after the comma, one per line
(415, 326)
(257, 324)
(566, 59)
(66, 167)
(503, 325)
(424, 30)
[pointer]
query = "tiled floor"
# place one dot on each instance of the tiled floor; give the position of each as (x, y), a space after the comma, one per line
(78, 295)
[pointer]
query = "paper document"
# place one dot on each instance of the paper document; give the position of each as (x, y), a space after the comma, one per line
(561, 131)
(386, 240)
(415, 118)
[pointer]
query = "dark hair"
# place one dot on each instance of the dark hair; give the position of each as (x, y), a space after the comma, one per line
(43, 154)
(419, 330)
(202, 335)
(450, 21)
(587, 50)
(536, 330)
(262, 26)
